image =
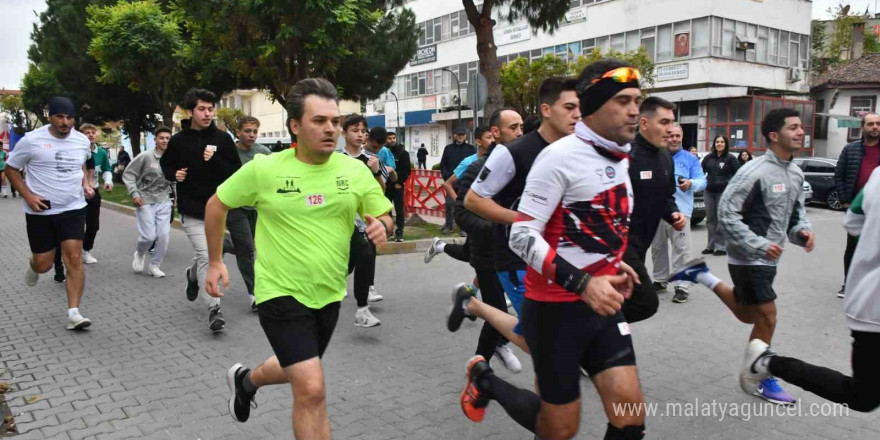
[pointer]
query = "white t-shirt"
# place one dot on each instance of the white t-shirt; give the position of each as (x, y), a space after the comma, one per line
(53, 168)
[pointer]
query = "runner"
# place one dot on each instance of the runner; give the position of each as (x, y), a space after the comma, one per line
(199, 158)
(55, 194)
(151, 195)
(306, 199)
(242, 222)
(860, 392)
(572, 229)
(93, 209)
(763, 203)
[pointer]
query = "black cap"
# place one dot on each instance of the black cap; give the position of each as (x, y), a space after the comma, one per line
(459, 130)
(61, 105)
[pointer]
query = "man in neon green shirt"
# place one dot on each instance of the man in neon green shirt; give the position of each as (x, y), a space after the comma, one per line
(306, 199)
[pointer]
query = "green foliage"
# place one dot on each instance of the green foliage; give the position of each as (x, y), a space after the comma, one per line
(38, 85)
(639, 59)
(541, 14)
(521, 79)
(840, 40)
(229, 117)
(872, 43)
(22, 120)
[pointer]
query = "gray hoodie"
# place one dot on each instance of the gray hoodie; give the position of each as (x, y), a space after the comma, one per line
(762, 204)
(862, 306)
(143, 178)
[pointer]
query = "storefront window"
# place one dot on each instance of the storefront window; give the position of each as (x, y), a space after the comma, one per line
(718, 111)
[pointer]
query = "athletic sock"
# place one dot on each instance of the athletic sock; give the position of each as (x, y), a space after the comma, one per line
(521, 405)
(246, 384)
(441, 245)
(631, 432)
(762, 365)
(708, 280)
(72, 311)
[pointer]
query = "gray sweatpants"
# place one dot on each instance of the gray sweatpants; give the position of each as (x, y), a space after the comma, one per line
(716, 238)
(242, 225)
(195, 232)
(681, 251)
(154, 225)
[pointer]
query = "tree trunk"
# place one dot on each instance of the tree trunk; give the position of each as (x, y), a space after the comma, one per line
(133, 127)
(486, 50)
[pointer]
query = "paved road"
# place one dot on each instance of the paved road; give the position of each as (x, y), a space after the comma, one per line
(149, 367)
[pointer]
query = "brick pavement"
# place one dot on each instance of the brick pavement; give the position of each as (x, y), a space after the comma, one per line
(149, 368)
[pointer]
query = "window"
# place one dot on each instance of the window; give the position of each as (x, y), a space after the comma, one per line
(632, 40)
(858, 106)
(618, 42)
(805, 51)
(817, 166)
(794, 51)
(752, 35)
(682, 39)
(716, 36)
(783, 48)
(664, 43)
(772, 47)
(761, 45)
(444, 28)
(422, 34)
(728, 38)
(700, 37)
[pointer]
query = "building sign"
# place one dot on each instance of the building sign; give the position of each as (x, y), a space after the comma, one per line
(682, 45)
(429, 102)
(425, 55)
(575, 15)
(512, 34)
(675, 71)
(391, 120)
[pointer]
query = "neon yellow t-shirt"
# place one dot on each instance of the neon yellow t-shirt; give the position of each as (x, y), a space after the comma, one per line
(304, 223)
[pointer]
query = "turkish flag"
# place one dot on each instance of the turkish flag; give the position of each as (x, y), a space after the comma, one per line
(682, 45)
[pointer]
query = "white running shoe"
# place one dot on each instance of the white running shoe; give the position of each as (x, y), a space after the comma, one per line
(77, 322)
(749, 378)
(155, 272)
(432, 251)
(510, 361)
(372, 296)
(30, 277)
(88, 258)
(363, 318)
(137, 265)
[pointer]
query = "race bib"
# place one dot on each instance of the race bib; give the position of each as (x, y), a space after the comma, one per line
(646, 175)
(779, 187)
(315, 200)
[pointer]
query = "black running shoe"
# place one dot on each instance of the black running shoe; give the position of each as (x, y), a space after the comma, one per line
(659, 287)
(240, 402)
(720, 253)
(681, 296)
(60, 278)
(215, 319)
(707, 252)
(192, 287)
(461, 293)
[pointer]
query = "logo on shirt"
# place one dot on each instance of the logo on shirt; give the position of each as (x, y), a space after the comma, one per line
(721, 165)
(537, 198)
(646, 175)
(342, 183)
(484, 174)
(779, 188)
(287, 186)
(609, 171)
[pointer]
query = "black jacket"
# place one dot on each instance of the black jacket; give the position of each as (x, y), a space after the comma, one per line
(453, 154)
(652, 173)
(848, 166)
(186, 150)
(422, 154)
(479, 230)
(404, 164)
(719, 170)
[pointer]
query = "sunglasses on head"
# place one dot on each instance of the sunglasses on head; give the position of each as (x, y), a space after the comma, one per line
(621, 75)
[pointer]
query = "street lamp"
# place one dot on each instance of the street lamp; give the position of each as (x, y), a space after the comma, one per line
(457, 82)
(396, 102)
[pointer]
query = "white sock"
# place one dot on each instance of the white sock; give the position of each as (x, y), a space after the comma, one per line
(440, 246)
(763, 365)
(73, 311)
(363, 308)
(708, 280)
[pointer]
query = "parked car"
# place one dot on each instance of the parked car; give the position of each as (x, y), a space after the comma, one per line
(819, 173)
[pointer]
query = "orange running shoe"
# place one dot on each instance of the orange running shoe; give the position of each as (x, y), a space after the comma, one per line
(473, 402)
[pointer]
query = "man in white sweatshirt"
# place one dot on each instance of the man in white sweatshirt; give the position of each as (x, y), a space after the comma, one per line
(861, 392)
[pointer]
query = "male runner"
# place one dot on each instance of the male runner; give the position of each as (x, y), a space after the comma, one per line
(762, 205)
(93, 208)
(55, 194)
(572, 229)
(306, 199)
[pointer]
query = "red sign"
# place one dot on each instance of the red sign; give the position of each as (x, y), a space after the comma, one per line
(877, 30)
(682, 44)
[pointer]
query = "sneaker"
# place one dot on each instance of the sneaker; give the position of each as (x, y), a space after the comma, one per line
(77, 322)
(372, 296)
(510, 361)
(88, 258)
(240, 402)
(31, 277)
(691, 270)
(473, 402)
(446, 230)
(215, 319)
(749, 378)
(432, 251)
(462, 234)
(770, 391)
(681, 296)
(660, 287)
(192, 286)
(138, 263)
(719, 253)
(60, 278)
(707, 252)
(398, 237)
(155, 272)
(842, 292)
(253, 303)
(461, 293)
(363, 318)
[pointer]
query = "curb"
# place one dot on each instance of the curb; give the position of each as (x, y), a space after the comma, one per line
(391, 248)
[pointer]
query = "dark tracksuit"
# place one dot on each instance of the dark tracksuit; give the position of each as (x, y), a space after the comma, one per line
(394, 194)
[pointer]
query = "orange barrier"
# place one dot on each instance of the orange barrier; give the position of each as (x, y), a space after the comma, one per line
(424, 194)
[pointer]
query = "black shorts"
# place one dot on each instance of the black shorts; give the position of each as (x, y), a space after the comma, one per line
(565, 337)
(46, 231)
(296, 332)
(753, 285)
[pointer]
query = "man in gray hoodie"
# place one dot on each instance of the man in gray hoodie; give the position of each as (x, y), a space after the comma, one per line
(761, 207)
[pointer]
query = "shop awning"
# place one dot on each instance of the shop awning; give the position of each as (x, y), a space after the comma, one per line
(844, 121)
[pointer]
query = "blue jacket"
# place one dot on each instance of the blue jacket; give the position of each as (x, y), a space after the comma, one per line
(387, 158)
(688, 166)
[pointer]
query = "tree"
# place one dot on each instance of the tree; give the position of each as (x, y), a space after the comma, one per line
(540, 14)
(21, 118)
(38, 85)
(638, 58)
(272, 44)
(139, 46)
(840, 40)
(521, 79)
(229, 117)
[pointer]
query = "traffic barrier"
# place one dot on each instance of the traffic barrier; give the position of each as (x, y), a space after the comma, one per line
(424, 194)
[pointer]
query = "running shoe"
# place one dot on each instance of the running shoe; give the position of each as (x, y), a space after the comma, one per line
(60, 278)
(842, 292)
(240, 401)
(77, 322)
(660, 287)
(461, 294)
(749, 378)
(192, 286)
(473, 402)
(681, 296)
(137, 265)
(215, 319)
(31, 277)
(88, 258)
(364, 318)
(155, 272)
(707, 252)
(446, 230)
(432, 251)
(510, 361)
(770, 391)
(254, 302)
(691, 270)
(372, 296)
(720, 253)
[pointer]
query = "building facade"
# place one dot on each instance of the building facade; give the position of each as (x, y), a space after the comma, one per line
(724, 62)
